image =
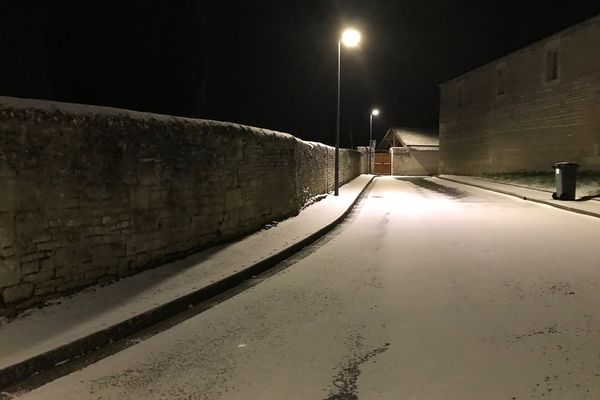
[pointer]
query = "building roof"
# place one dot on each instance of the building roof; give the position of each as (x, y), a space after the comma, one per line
(411, 138)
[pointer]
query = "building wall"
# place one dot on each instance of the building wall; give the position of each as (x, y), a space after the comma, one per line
(90, 194)
(414, 162)
(535, 122)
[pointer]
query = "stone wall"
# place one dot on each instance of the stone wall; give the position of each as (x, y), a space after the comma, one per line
(510, 115)
(414, 162)
(90, 194)
(364, 163)
(315, 168)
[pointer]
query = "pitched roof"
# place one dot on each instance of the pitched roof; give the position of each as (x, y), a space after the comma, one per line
(410, 137)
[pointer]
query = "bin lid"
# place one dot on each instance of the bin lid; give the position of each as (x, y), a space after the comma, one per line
(565, 164)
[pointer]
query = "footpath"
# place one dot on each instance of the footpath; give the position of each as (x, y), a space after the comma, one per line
(42, 338)
(589, 207)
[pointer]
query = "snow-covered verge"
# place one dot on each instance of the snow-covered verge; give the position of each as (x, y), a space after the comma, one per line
(588, 183)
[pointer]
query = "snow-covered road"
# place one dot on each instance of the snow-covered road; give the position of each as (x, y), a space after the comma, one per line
(430, 290)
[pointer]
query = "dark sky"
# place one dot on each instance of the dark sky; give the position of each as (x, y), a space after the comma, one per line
(265, 63)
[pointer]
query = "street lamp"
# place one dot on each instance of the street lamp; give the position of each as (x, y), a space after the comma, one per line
(350, 38)
(374, 113)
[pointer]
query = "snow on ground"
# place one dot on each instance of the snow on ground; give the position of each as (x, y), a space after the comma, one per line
(431, 290)
(68, 319)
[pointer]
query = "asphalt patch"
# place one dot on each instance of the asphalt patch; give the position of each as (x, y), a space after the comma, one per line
(345, 383)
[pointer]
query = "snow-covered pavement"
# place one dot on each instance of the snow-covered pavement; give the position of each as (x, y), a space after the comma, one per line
(582, 206)
(431, 290)
(68, 321)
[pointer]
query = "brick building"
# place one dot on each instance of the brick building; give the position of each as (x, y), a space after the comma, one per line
(527, 110)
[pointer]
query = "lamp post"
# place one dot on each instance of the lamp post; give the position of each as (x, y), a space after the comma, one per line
(374, 113)
(350, 38)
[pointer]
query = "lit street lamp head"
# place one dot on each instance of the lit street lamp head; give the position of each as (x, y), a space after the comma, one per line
(375, 112)
(351, 37)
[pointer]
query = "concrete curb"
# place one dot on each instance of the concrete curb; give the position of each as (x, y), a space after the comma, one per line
(509, 193)
(13, 374)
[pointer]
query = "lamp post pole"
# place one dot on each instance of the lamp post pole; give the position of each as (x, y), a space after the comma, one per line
(374, 112)
(336, 178)
(370, 136)
(350, 38)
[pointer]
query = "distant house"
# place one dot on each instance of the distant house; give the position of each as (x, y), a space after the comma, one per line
(527, 110)
(411, 151)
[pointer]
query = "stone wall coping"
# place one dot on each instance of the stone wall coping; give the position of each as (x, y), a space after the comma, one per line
(84, 114)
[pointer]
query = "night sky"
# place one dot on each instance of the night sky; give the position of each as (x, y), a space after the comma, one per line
(270, 64)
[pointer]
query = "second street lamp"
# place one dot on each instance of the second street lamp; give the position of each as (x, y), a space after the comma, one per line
(350, 38)
(375, 113)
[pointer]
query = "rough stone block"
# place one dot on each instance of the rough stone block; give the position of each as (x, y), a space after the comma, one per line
(9, 273)
(44, 291)
(51, 282)
(109, 250)
(98, 230)
(8, 200)
(142, 259)
(39, 277)
(95, 274)
(233, 198)
(41, 237)
(137, 243)
(7, 231)
(48, 246)
(90, 266)
(72, 223)
(7, 252)
(31, 257)
(122, 225)
(47, 264)
(6, 171)
(27, 226)
(55, 222)
(145, 221)
(148, 175)
(125, 268)
(18, 292)
(30, 267)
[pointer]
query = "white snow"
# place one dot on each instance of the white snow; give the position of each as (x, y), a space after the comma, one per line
(588, 184)
(69, 319)
(591, 206)
(432, 290)
(85, 110)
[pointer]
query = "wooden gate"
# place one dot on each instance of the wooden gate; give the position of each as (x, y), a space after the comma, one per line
(383, 164)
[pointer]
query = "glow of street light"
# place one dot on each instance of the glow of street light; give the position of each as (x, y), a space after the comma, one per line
(351, 37)
(375, 112)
